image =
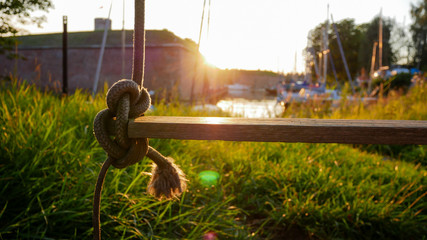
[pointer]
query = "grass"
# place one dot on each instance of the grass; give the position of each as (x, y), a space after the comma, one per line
(396, 106)
(50, 160)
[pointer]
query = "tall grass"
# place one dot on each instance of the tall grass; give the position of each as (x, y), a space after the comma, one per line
(396, 106)
(50, 160)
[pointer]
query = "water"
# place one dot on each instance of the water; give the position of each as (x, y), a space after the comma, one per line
(258, 104)
(250, 104)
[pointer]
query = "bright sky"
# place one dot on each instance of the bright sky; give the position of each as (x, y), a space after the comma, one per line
(245, 34)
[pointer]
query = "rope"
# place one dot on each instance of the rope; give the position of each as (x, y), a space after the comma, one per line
(126, 99)
(139, 43)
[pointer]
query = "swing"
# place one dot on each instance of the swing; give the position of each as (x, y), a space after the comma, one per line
(127, 101)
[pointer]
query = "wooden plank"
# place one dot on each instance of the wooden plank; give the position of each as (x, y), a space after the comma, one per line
(281, 130)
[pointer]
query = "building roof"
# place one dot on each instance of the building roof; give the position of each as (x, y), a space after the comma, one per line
(94, 38)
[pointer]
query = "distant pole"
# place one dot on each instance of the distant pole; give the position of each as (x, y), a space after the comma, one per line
(101, 53)
(295, 63)
(325, 48)
(371, 74)
(319, 80)
(65, 56)
(197, 55)
(333, 68)
(316, 68)
(342, 54)
(380, 40)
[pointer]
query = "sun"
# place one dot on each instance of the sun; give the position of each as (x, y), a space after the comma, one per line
(212, 56)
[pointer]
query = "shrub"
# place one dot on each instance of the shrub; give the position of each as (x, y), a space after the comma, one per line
(401, 81)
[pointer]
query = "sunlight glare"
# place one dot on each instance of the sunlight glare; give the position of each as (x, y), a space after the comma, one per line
(213, 56)
(213, 120)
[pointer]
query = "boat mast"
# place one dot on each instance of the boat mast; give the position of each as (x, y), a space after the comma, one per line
(371, 75)
(196, 62)
(342, 54)
(325, 48)
(314, 61)
(101, 52)
(380, 40)
(333, 69)
(295, 63)
(320, 78)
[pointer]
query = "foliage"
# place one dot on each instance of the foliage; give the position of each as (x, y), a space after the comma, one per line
(357, 42)
(402, 44)
(401, 81)
(350, 38)
(419, 33)
(50, 160)
(371, 35)
(17, 11)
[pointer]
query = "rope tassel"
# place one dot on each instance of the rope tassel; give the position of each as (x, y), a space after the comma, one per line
(167, 179)
(125, 100)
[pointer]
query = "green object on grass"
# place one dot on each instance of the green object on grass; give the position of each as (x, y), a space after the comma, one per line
(208, 178)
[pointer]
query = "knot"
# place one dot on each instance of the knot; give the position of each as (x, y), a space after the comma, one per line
(124, 100)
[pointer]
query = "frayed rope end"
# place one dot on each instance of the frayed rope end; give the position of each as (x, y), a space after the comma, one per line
(167, 181)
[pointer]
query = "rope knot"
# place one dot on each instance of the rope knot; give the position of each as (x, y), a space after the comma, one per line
(124, 100)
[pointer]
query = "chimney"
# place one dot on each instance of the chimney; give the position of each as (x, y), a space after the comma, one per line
(100, 24)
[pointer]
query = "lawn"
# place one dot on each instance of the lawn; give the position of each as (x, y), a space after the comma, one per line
(50, 159)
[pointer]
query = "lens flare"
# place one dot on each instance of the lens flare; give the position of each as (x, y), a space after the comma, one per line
(208, 178)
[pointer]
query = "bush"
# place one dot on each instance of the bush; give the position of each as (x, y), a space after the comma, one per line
(401, 81)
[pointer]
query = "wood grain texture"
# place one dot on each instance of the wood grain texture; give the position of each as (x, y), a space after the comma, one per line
(280, 130)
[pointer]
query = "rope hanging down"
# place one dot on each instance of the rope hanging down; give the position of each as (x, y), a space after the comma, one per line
(125, 99)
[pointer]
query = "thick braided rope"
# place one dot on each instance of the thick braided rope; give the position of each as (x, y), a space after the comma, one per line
(125, 100)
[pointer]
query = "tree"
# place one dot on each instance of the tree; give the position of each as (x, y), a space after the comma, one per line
(15, 12)
(351, 37)
(419, 33)
(401, 43)
(357, 42)
(371, 34)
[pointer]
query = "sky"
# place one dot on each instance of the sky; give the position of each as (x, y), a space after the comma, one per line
(243, 34)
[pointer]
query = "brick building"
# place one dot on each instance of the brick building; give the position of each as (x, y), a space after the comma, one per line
(170, 62)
